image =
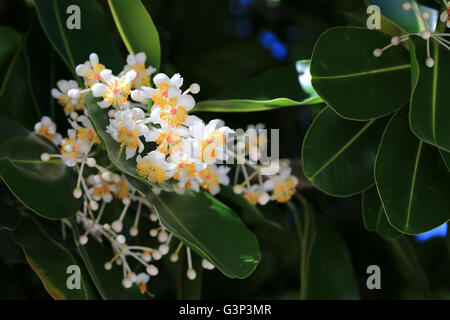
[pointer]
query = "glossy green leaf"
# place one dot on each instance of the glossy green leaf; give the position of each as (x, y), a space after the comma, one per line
(374, 216)
(339, 154)
(412, 179)
(430, 114)
(50, 261)
(355, 83)
(74, 46)
(107, 282)
(249, 212)
(100, 120)
(137, 29)
(36, 184)
(283, 87)
(328, 270)
(10, 42)
(211, 229)
(45, 68)
(408, 21)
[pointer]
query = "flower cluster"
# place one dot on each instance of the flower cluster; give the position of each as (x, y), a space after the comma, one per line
(427, 34)
(185, 151)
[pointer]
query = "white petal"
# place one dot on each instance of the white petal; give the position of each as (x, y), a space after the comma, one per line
(161, 78)
(177, 80)
(107, 76)
(98, 89)
(103, 104)
(131, 60)
(130, 153)
(130, 76)
(93, 58)
(81, 69)
(141, 57)
(187, 101)
(56, 94)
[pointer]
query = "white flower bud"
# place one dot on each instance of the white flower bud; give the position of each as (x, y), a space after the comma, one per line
(106, 176)
(117, 226)
(174, 257)
(108, 266)
(77, 193)
(191, 274)
(134, 231)
(395, 41)
(91, 162)
(195, 88)
(238, 189)
(97, 179)
(132, 276)
(146, 257)
(93, 205)
(163, 236)
(153, 217)
(156, 255)
(111, 113)
(406, 6)
(83, 240)
(429, 62)
(74, 93)
(121, 239)
(377, 52)
(263, 198)
(107, 227)
(116, 178)
(74, 116)
(207, 265)
(126, 201)
(153, 232)
(45, 157)
(164, 249)
(127, 283)
(152, 270)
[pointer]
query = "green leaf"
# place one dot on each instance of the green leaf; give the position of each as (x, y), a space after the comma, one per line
(249, 212)
(339, 154)
(99, 119)
(108, 283)
(374, 216)
(430, 115)
(10, 251)
(355, 83)
(50, 261)
(189, 289)
(328, 270)
(408, 21)
(10, 43)
(412, 179)
(74, 46)
(273, 89)
(211, 229)
(137, 29)
(45, 188)
(9, 216)
(45, 68)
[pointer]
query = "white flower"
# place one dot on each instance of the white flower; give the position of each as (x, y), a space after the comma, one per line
(69, 103)
(73, 149)
(283, 185)
(115, 90)
(213, 176)
(445, 16)
(210, 139)
(169, 140)
(86, 131)
(141, 281)
(160, 94)
(137, 63)
(47, 129)
(90, 70)
(126, 128)
(174, 113)
(101, 189)
(154, 167)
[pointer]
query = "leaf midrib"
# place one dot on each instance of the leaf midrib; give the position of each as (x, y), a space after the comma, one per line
(413, 184)
(364, 73)
(341, 150)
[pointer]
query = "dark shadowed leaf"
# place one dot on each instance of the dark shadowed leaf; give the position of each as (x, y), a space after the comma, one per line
(339, 154)
(412, 179)
(355, 83)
